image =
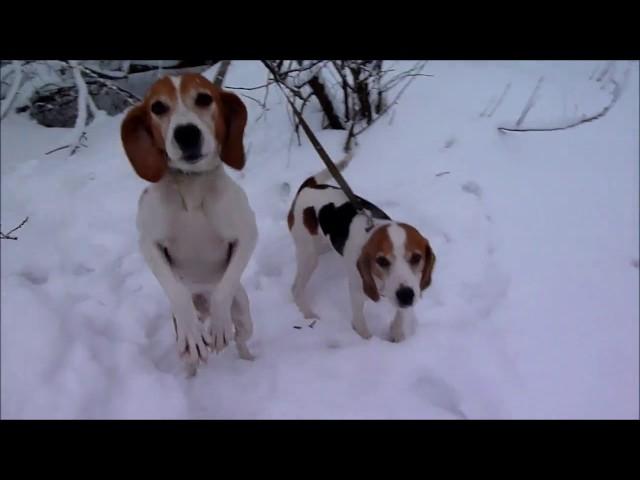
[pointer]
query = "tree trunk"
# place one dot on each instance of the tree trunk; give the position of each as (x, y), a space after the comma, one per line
(325, 102)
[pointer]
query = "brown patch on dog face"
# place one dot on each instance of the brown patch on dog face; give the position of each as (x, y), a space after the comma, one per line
(161, 97)
(419, 254)
(144, 128)
(378, 245)
(310, 220)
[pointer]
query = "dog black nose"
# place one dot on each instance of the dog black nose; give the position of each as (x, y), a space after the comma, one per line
(405, 296)
(189, 139)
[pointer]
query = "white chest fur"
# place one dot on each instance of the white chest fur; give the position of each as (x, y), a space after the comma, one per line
(186, 215)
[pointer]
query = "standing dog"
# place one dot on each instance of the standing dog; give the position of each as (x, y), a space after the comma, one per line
(196, 228)
(392, 260)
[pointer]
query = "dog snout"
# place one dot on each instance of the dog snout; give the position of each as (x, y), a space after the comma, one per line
(189, 139)
(405, 296)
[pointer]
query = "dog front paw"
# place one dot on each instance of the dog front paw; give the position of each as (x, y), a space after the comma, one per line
(221, 332)
(193, 340)
(396, 336)
(361, 329)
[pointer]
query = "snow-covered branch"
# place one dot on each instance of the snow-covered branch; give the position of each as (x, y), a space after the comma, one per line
(131, 98)
(11, 95)
(83, 105)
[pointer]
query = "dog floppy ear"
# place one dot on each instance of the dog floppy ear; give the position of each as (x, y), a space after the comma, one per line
(235, 119)
(368, 284)
(427, 269)
(148, 161)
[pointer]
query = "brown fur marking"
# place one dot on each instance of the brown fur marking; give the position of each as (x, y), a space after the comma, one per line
(310, 220)
(379, 243)
(415, 242)
(308, 183)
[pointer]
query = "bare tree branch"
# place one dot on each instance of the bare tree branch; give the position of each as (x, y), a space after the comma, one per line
(7, 236)
(81, 120)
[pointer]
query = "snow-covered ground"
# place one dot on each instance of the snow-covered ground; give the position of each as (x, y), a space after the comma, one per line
(533, 310)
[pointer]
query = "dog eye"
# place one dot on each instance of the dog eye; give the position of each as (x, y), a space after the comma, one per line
(415, 259)
(383, 262)
(204, 100)
(159, 108)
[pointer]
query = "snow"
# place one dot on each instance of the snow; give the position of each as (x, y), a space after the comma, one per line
(533, 310)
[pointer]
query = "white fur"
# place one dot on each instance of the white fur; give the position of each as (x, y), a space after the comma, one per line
(196, 217)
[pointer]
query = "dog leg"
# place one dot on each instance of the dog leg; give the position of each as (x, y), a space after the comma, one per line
(241, 316)
(191, 335)
(357, 306)
(403, 320)
(307, 261)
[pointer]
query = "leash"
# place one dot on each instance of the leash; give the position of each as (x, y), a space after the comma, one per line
(331, 167)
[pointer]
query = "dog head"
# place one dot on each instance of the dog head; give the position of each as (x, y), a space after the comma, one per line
(185, 123)
(396, 262)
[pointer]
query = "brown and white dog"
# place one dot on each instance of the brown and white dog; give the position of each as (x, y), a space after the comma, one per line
(392, 260)
(196, 228)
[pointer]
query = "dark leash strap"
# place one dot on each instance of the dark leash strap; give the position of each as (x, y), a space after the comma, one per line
(331, 167)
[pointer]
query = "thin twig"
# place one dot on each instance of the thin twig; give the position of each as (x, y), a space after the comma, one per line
(83, 137)
(270, 82)
(300, 69)
(254, 99)
(57, 149)
(264, 103)
(393, 81)
(500, 100)
(530, 102)
(7, 236)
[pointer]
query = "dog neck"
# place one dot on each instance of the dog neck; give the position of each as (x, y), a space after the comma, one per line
(192, 187)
